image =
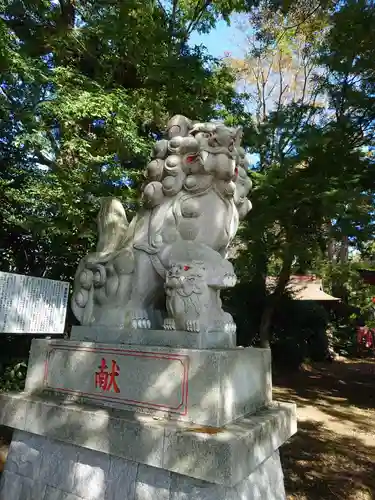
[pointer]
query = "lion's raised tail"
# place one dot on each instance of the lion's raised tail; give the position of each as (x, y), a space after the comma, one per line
(112, 226)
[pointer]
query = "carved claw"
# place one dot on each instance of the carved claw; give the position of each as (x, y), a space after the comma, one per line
(139, 320)
(230, 327)
(169, 324)
(193, 326)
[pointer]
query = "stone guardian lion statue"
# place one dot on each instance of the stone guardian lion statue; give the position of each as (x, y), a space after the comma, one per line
(194, 196)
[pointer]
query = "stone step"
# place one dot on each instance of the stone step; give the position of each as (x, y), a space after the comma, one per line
(224, 455)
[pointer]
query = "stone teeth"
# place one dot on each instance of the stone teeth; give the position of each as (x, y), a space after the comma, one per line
(204, 155)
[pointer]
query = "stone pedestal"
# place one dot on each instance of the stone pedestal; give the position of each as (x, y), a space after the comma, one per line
(51, 470)
(208, 387)
(161, 338)
(140, 422)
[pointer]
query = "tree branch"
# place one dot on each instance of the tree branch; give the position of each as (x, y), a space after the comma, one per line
(6, 95)
(197, 15)
(43, 160)
(163, 9)
(173, 16)
(297, 25)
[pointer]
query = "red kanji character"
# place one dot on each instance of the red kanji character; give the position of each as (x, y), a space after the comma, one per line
(104, 379)
(101, 377)
(112, 380)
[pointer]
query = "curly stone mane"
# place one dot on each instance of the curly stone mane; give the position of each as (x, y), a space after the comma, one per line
(181, 163)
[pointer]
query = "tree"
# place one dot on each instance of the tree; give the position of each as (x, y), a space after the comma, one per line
(348, 56)
(307, 158)
(85, 88)
(279, 78)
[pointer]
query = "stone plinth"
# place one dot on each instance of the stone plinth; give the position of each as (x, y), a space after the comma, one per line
(139, 422)
(161, 338)
(70, 449)
(80, 474)
(223, 456)
(207, 387)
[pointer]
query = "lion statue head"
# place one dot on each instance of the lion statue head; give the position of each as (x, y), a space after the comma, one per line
(195, 157)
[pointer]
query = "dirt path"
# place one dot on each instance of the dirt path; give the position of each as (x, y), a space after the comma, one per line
(333, 454)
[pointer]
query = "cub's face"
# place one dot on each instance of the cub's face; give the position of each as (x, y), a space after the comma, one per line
(179, 271)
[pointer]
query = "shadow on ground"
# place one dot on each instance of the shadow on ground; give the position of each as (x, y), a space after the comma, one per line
(320, 465)
(333, 454)
(348, 383)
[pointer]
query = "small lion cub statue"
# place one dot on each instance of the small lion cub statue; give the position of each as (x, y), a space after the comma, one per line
(187, 297)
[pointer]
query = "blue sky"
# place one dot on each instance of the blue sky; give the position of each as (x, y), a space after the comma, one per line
(222, 39)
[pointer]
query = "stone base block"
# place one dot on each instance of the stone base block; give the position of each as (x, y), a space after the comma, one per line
(223, 456)
(207, 387)
(162, 338)
(39, 468)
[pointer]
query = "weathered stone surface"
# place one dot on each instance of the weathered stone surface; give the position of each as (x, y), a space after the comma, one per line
(121, 480)
(235, 451)
(13, 413)
(91, 474)
(163, 338)
(152, 484)
(36, 366)
(58, 464)
(24, 459)
(204, 386)
(267, 481)
(54, 494)
(185, 488)
(139, 441)
(16, 487)
(225, 457)
(10, 486)
(99, 476)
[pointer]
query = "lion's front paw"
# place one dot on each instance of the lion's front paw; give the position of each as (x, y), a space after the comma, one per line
(193, 326)
(230, 327)
(169, 324)
(137, 318)
(229, 280)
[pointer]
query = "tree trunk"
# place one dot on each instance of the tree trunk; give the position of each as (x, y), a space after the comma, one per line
(344, 250)
(331, 250)
(273, 299)
(265, 326)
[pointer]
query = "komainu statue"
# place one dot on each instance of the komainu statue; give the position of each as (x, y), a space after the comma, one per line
(166, 268)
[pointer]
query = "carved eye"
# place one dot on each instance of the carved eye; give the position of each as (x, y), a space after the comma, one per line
(213, 141)
(186, 268)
